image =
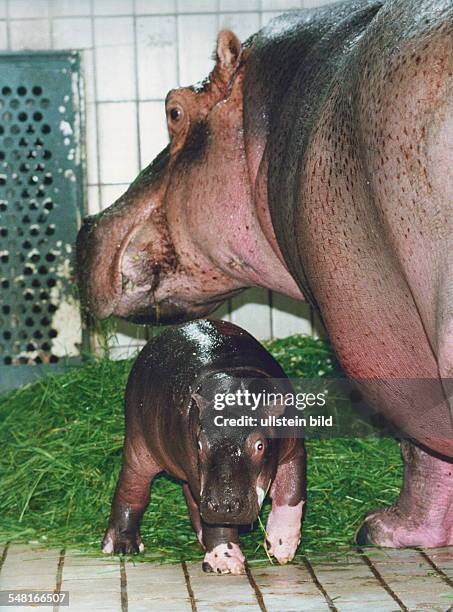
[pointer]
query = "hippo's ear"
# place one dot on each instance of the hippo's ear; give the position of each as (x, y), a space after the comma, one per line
(227, 55)
(200, 401)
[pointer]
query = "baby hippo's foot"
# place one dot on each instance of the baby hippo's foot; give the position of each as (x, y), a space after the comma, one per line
(283, 531)
(423, 514)
(125, 543)
(225, 559)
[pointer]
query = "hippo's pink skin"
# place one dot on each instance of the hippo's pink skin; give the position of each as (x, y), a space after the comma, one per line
(316, 161)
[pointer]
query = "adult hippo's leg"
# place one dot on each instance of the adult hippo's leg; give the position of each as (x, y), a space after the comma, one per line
(423, 514)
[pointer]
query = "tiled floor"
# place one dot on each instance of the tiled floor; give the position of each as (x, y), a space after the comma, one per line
(370, 579)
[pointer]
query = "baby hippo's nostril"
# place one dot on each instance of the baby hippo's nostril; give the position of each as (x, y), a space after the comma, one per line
(232, 505)
(212, 504)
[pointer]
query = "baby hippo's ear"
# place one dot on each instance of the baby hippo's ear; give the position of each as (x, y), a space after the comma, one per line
(201, 402)
(227, 56)
(274, 409)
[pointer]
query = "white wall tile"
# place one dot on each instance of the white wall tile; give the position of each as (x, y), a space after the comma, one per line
(268, 16)
(115, 68)
(197, 6)
(314, 3)
(129, 351)
(239, 5)
(149, 7)
(251, 310)
(3, 36)
(153, 130)
(197, 37)
(156, 50)
(88, 74)
(113, 7)
(70, 8)
(280, 5)
(118, 147)
(222, 312)
(242, 25)
(128, 340)
(93, 205)
(2, 9)
(30, 34)
(91, 143)
(110, 193)
(113, 31)
(28, 8)
(72, 33)
(290, 316)
(115, 73)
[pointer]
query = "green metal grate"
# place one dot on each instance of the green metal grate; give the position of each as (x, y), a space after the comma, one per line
(41, 200)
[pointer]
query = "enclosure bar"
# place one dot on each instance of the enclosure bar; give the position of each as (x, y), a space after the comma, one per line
(439, 571)
(318, 585)
(192, 599)
(256, 589)
(377, 574)
(3, 557)
(59, 577)
(123, 584)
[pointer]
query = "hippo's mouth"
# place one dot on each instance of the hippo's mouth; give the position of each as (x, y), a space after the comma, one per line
(139, 307)
(128, 285)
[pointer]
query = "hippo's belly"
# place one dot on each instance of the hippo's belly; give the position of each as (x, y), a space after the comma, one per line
(374, 230)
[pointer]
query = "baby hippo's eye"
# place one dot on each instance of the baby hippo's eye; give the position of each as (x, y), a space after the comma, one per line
(259, 446)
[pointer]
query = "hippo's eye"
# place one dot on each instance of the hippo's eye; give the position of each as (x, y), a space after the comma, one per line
(175, 114)
(259, 446)
(200, 446)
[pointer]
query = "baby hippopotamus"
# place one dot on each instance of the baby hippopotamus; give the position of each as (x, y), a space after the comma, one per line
(227, 470)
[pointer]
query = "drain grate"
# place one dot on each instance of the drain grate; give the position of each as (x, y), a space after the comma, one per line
(40, 204)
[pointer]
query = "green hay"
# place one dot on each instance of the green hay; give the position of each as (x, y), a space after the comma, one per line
(61, 442)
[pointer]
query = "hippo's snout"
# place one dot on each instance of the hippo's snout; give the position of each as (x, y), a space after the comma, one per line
(227, 509)
(222, 503)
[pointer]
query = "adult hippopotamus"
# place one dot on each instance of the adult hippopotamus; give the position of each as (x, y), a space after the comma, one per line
(315, 160)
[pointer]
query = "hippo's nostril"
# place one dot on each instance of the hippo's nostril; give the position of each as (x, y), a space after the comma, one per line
(212, 505)
(232, 505)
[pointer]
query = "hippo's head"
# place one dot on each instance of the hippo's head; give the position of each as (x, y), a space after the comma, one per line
(146, 258)
(237, 460)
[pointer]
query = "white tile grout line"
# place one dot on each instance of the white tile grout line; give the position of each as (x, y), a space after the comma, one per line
(318, 585)
(256, 589)
(440, 572)
(96, 107)
(377, 574)
(123, 586)
(4, 553)
(192, 599)
(59, 577)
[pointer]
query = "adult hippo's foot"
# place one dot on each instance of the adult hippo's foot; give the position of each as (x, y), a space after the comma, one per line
(423, 514)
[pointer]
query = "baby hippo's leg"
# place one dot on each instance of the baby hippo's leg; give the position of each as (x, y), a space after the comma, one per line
(223, 554)
(129, 503)
(194, 513)
(285, 519)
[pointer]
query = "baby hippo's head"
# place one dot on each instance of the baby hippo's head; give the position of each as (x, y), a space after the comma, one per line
(236, 459)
